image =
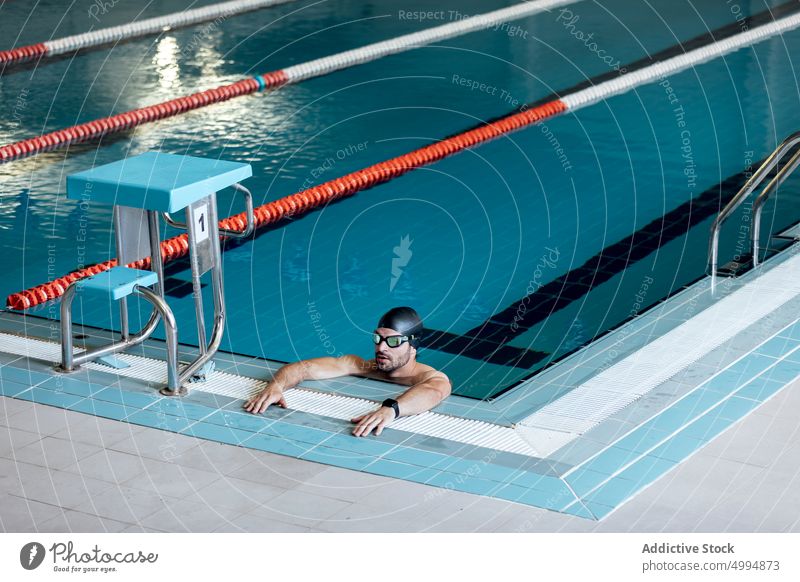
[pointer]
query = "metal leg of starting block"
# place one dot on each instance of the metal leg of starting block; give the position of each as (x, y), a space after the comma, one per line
(156, 261)
(205, 255)
(123, 303)
(171, 330)
(204, 249)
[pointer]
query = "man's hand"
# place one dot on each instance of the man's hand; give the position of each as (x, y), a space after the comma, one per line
(373, 420)
(260, 402)
(291, 375)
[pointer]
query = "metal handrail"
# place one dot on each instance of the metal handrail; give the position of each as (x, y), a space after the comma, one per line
(250, 222)
(752, 183)
(758, 203)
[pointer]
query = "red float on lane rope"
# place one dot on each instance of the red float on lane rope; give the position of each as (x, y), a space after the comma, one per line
(129, 119)
(22, 54)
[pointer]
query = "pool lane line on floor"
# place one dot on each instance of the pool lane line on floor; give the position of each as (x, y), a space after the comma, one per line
(306, 200)
(271, 80)
(135, 29)
(483, 341)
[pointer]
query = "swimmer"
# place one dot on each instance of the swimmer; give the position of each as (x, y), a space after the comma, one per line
(396, 338)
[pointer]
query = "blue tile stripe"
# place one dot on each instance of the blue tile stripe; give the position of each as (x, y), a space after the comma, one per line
(12, 389)
(103, 409)
(62, 383)
(214, 432)
(399, 470)
(12, 373)
(638, 458)
(126, 398)
(159, 420)
(50, 397)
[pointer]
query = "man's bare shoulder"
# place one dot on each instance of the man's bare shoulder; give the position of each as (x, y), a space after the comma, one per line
(424, 372)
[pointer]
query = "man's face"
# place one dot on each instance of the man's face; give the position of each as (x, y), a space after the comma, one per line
(388, 359)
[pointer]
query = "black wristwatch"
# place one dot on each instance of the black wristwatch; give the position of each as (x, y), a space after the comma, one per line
(392, 403)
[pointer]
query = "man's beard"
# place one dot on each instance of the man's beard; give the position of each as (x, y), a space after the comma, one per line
(389, 365)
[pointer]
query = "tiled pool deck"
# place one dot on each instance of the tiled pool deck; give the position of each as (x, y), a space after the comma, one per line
(642, 454)
(589, 479)
(67, 471)
(325, 440)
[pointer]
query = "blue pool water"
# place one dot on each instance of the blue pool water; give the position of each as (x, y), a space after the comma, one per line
(473, 234)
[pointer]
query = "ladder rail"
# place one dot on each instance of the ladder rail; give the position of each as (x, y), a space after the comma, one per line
(758, 203)
(749, 187)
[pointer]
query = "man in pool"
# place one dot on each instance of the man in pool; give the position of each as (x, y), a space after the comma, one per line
(396, 340)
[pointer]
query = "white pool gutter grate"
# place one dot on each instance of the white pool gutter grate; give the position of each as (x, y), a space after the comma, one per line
(461, 430)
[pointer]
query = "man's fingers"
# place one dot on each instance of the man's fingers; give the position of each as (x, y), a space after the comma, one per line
(370, 421)
(261, 402)
(361, 424)
(269, 400)
(367, 425)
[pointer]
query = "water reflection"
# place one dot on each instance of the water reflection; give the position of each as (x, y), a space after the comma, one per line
(166, 63)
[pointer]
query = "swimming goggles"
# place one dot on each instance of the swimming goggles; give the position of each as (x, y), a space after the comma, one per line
(392, 341)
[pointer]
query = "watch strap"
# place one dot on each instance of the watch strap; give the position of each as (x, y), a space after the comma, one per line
(392, 403)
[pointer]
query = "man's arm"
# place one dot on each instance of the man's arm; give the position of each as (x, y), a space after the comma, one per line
(419, 398)
(291, 375)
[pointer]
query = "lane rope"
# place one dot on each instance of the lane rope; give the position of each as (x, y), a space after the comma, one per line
(306, 200)
(124, 121)
(670, 66)
(136, 29)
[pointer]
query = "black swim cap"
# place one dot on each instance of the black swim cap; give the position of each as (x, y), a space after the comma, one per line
(405, 321)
